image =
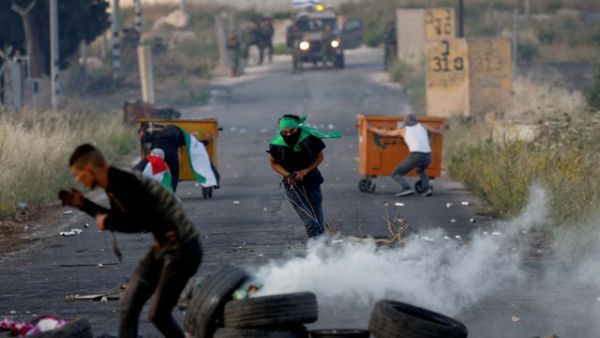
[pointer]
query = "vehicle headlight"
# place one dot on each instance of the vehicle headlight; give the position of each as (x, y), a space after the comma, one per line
(304, 45)
(335, 43)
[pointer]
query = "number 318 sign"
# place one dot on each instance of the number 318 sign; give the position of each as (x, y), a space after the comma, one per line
(447, 63)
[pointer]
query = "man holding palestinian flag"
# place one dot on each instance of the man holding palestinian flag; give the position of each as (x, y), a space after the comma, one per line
(158, 169)
(170, 138)
(295, 153)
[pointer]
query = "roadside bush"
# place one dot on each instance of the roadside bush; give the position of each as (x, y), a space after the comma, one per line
(500, 173)
(526, 51)
(373, 39)
(412, 78)
(593, 92)
(34, 150)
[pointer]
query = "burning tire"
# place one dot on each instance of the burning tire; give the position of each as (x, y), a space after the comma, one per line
(258, 333)
(277, 310)
(391, 319)
(79, 328)
(340, 333)
(205, 311)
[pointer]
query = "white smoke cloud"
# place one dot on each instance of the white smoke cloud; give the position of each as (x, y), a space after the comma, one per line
(443, 275)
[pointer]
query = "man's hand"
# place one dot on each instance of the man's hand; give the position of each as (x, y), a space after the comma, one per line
(291, 178)
(71, 198)
(300, 175)
(100, 218)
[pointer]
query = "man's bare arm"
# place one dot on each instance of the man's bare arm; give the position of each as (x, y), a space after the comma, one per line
(387, 132)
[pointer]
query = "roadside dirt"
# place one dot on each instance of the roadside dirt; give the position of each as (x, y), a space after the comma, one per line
(30, 227)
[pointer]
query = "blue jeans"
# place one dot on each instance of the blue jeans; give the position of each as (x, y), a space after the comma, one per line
(308, 205)
(420, 161)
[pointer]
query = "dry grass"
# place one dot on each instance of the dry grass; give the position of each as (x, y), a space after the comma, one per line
(542, 100)
(34, 150)
(564, 160)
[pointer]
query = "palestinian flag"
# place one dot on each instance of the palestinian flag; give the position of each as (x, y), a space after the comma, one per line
(199, 161)
(157, 169)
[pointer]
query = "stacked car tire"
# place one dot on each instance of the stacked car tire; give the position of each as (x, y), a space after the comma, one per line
(212, 312)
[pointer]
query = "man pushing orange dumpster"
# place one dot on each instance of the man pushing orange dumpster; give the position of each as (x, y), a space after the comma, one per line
(416, 137)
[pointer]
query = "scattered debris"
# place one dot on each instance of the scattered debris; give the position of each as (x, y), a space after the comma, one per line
(196, 184)
(22, 205)
(459, 237)
(337, 241)
(496, 233)
(465, 203)
(427, 239)
(86, 225)
(446, 237)
(13, 312)
(485, 233)
(104, 299)
(452, 220)
(515, 319)
(25, 228)
(472, 220)
(265, 209)
(100, 265)
(67, 212)
(66, 233)
(399, 204)
(74, 265)
(236, 202)
(76, 231)
(330, 126)
(448, 205)
(264, 130)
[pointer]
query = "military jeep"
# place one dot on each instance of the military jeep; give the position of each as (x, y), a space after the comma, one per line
(314, 37)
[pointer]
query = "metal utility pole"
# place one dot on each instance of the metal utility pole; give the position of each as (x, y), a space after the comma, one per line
(54, 57)
(116, 44)
(137, 21)
(515, 43)
(461, 23)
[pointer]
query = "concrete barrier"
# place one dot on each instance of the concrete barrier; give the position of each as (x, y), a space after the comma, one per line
(415, 27)
(490, 75)
(447, 81)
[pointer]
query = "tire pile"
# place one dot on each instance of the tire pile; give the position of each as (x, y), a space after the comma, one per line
(212, 313)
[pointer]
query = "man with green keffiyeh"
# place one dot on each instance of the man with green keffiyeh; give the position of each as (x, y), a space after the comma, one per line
(296, 152)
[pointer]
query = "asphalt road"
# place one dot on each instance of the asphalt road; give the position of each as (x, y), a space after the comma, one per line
(262, 226)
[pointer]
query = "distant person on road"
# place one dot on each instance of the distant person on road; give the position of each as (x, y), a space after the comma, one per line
(417, 139)
(296, 153)
(234, 54)
(140, 204)
(391, 45)
(268, 31)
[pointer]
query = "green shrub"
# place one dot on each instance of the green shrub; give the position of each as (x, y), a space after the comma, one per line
(592, 94)
(373, 39)
(527, 51)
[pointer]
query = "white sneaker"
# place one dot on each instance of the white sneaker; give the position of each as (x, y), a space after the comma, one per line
(405, 192)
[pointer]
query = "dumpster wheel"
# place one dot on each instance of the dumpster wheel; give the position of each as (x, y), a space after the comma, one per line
(366, 185)
(419, 187)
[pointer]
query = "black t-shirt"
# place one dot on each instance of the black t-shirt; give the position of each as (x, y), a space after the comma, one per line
(169, 138)
(292, 161)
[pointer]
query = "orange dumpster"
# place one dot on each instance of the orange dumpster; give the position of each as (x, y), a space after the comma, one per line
(201, 128)
(380, 155)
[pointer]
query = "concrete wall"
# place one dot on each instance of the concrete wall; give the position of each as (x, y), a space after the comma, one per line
(415, 27)
(269, 6)
(490, 76)
(447, 82)
(410, 35)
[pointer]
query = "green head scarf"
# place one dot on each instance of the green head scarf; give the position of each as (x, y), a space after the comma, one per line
(290, 122)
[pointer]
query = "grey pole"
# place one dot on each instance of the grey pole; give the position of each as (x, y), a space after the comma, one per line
(515, 43)
(116, 44)
(461, 23)
(54, 57)
(137, 21)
